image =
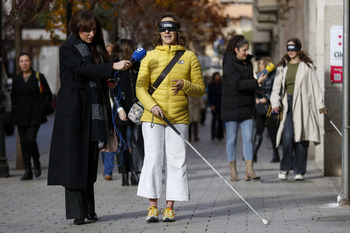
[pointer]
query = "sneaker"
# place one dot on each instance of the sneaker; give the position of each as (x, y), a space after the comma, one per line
(283, 175)
(169, 215)
(152, 215)
(299, 177)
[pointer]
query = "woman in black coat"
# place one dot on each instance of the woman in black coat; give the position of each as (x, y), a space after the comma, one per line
(30, 98)
(238, 102)
(262, 100)
(83, 123)
(131, 151)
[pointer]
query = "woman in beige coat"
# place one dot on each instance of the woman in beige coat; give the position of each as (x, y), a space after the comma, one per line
(297, 93)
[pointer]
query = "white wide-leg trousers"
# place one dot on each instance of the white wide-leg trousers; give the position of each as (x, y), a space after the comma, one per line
(164, 146)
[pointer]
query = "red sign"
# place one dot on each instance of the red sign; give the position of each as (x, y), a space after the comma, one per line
(336, 74)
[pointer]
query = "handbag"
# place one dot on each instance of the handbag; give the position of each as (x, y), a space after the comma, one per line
(49, 109)
(273, 119)
(137, 108)
(112, 144)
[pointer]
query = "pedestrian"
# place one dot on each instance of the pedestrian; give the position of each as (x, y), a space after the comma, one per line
(170, 99)
(195, 105)
(30, 98)
(262, 101)
(297, 93)
(214, 100)
(83, 124)
(108, 157)
(238, 102)
(123, 50)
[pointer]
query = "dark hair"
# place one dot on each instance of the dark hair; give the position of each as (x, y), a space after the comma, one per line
(303, 56)
(123, 49)
(213, 78)
(24, 54)
(236, 41)
(181, 36)
(84, 20)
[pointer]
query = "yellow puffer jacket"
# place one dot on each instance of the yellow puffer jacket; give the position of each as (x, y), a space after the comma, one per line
(175, 107)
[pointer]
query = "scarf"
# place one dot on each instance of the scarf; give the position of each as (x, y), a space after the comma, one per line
(101, 119)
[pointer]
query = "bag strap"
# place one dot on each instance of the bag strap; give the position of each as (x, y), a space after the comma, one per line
(165, 71)
(40, 85)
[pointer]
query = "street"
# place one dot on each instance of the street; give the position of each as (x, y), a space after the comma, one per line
(289, 206)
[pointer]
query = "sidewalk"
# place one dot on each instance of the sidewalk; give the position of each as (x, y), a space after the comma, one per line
(308, 206)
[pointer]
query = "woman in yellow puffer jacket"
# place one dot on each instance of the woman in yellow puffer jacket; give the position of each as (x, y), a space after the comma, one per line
(170, 100)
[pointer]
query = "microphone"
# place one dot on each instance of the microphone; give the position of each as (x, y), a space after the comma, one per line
(138, 55)
(269, 68)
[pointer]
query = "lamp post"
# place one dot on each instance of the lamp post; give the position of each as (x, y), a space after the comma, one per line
(4, 168)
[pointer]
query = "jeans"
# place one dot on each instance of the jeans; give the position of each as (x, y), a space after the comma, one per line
(247, 132)
(108, 161)
(294, 153)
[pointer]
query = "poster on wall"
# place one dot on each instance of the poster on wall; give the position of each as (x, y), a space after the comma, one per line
(336, 52)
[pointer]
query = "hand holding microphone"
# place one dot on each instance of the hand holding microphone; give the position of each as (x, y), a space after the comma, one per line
(138, 55)
(263, 74)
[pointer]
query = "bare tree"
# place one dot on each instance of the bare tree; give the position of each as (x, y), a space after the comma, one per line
(21, 12)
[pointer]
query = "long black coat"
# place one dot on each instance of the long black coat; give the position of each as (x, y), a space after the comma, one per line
(28, 104)
(238, 88)
(69, 161)
(126, 91)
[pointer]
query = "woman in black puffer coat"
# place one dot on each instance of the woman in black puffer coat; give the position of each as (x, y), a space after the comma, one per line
(238, 102)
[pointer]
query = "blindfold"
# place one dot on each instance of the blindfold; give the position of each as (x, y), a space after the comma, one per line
(292, 47)
(167, 25)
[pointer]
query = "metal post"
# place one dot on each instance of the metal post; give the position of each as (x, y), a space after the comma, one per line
(4, 168)
(343, 199)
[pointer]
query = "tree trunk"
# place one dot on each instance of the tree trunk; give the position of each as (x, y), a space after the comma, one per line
(19, 49)
(18, 41)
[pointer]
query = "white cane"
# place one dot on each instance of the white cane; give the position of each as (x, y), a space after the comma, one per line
(335, 127)
(178, 132)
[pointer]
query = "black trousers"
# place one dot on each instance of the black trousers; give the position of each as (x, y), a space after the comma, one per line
(124, 158)
(259, 125)
(294, 153)
(217, 126)
(80, 202)
(29, 145)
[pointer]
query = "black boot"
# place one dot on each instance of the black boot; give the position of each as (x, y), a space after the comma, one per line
(37, 170)
(256, 145)
(125, 179)
(134, 178)
(276, 156)
(28, 174)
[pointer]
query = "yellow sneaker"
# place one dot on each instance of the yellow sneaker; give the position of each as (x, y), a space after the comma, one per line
(169, 215)
(152, 215)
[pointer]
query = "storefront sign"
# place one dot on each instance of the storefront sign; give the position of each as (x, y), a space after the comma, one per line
(336, 52)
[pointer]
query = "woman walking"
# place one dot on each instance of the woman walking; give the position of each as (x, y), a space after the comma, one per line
(297, 93)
